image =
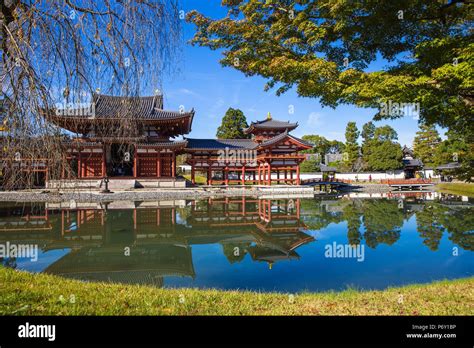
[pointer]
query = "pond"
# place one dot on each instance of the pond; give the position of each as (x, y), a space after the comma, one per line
(275, 244)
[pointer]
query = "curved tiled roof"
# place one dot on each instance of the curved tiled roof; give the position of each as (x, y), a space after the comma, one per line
(165, 144)
(141, 108)
(281, 137)
(216, 144)
(271, 124)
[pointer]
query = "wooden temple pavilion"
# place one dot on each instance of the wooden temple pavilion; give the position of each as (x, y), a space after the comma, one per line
(272, 154)
(124, 137)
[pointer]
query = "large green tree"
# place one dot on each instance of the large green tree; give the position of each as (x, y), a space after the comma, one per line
(324, 49)
(351, 153)
(383, 152)
(425, 143)
(367, 134)
(232, 126)
(323, 146)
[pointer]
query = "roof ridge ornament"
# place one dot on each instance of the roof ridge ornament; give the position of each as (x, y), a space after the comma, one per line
(269, 116)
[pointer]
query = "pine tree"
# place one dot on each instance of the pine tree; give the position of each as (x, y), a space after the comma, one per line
(351, 153)
(383, 152)
(426, 141)
(232, 126)
(368, 131)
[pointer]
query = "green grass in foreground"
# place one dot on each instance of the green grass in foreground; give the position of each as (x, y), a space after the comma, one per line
(457, 187)
(22, 293)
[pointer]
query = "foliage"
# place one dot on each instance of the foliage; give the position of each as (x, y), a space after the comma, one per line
(310, 166)
(457, 148)
(382, 152)
(351, 152)
(325, 47)
(323, 146)
(425, 144)
(64, 51)
(232, 126)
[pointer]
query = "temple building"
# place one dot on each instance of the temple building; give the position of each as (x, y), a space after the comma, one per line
(133, 137)
(272, 154)
(124, 137)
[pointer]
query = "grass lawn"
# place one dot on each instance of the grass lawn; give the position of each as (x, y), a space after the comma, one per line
(22, 293)
(200, 179)
(456, 188)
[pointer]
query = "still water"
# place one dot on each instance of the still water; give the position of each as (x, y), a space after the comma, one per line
(287, 245)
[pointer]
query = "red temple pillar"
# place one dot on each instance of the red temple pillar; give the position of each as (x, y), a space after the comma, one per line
(209, 174)
(79, 165)
(173, 165)
(226, 175)
(297, 175)
(243, 175)
(269, 174)
(135, 163)
(193, 178)
(158, 164)
(103, 161)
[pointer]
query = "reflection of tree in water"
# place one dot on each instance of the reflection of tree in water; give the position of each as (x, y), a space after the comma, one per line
(429, 226)
(382, 221)
(316, 217)
(436, 218)
(235, 252)
(460, 225)
(352, 215)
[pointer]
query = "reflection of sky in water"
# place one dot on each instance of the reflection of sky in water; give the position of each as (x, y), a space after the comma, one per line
(407, 260)
(44, 260)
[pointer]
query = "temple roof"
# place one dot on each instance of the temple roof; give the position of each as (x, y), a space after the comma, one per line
(412, 162)
(269, 124)
(241, 144)
(281, 137)
(216, 144)
(105, 107)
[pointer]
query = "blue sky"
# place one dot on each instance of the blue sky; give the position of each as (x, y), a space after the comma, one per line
(211, 89)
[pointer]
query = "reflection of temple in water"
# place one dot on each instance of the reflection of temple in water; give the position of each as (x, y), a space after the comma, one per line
(144, 244)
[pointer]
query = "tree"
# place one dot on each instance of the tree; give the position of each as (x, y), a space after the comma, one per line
(383, 153)
(425, 144)
(63, 51)
(456, 148)
(310, 166)
(232, 126)
(324, 48)
(368, 131)
(351, 153)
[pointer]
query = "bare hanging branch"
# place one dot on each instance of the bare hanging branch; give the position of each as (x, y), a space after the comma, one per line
(58, 53)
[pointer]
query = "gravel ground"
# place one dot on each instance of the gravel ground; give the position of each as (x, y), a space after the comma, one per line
(162, 194)
(135, 195)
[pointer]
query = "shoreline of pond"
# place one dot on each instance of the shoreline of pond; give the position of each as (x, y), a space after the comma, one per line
(200, 192)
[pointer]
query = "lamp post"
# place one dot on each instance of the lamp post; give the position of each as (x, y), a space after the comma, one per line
(106, 180)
